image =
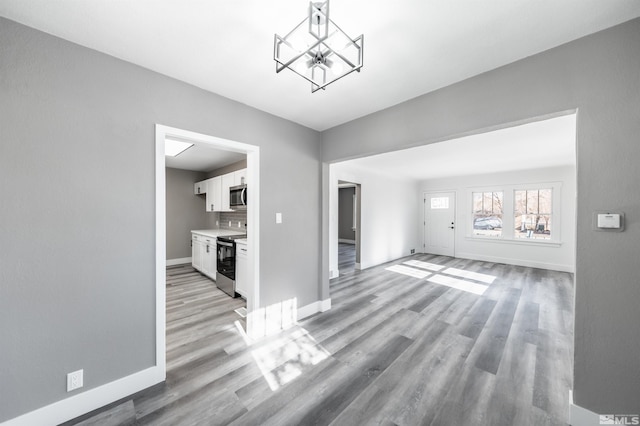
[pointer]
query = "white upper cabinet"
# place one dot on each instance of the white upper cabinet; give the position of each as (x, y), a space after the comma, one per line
(217, 189)
(200, 187)
(227, 182)
(240, 177)
(214, 194)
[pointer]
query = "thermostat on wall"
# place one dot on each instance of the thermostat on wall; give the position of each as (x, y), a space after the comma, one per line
(608, 221)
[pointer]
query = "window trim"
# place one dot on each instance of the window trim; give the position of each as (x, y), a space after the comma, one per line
(508, 213)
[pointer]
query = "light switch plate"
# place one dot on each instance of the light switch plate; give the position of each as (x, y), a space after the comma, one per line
(278, 217)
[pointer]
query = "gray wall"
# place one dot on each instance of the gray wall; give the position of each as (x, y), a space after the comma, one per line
(185, 211)
(227, 169)
(345, 214)
(598, 75)
(77, 230)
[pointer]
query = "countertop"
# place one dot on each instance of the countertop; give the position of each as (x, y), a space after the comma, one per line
(241, 241)
(214, 233)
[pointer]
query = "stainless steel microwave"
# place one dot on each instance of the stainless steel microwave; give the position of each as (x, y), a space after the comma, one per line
(238, 197)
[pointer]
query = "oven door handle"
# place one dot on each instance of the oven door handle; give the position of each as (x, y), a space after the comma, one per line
(225, 244)
(243, 196)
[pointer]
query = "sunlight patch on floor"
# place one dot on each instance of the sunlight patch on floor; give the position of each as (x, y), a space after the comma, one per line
(489, 279)
(424, 265)
(405, 270)
(459, 284)
(284, 359)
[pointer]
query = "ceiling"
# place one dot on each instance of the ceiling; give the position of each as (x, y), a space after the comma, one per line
(411, 46)
(541, 144)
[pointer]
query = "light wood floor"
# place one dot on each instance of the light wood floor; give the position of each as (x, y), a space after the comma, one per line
(395, 349)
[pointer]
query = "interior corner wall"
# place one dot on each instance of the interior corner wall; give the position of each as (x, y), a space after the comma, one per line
(77, 183)
(185, 211)
(388, 215)
(238, 165)
(598, 76)
(558, 257)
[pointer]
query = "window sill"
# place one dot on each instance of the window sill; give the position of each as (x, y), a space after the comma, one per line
(524, 242)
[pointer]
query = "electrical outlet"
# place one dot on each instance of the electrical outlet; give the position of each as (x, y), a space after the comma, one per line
(229, 224)
(75, 380)
(239, 224)
(217, 223)
(413, 251)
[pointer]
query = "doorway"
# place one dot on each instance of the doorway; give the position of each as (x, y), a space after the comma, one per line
(348, 227)
(252, 153)
(439, 223)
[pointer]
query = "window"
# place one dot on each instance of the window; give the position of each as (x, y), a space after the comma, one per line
(524, 213)
(533, 214)
(487, 213)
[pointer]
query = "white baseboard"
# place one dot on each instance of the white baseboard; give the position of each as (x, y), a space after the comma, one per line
(358, 266)
(173, 262)
(334, 273)
(517, 262)
(579, 416)
(84, 402)
(344, 240)
(314, 308)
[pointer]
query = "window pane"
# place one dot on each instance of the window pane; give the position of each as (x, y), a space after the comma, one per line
(487, 203)
(440, 203)
(477, 202)
(487, 214)
(532, 211)
(544, 205)
(532, 202)
(520, 201)
(497, 202)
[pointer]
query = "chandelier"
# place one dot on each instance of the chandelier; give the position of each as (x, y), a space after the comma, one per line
(318, 50)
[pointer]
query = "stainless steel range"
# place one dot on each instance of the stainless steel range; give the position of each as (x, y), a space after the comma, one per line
(226, 264)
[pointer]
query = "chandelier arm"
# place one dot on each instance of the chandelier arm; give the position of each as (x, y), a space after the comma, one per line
(322, 86)
(351, 64)
(295, 58)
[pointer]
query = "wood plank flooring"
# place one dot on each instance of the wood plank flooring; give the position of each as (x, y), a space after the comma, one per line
(346, 258)
(395, 349)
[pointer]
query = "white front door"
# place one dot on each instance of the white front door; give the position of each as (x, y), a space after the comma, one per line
(439, 223)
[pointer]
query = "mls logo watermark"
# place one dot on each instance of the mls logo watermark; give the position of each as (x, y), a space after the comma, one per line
(620, 419)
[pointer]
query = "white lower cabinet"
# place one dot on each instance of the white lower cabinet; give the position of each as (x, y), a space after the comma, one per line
(242, 263)
(209, 266)
(197, 248)
(203, 254)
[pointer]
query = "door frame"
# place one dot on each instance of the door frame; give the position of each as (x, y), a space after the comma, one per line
(253, 231)
(357, 207)
(424, 216)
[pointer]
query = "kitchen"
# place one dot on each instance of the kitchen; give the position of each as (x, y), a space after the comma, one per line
(206, 215)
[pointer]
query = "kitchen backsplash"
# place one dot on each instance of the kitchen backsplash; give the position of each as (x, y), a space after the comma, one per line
(234, 218)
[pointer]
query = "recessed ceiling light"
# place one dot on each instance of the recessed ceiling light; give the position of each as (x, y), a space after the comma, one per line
(172, 147)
